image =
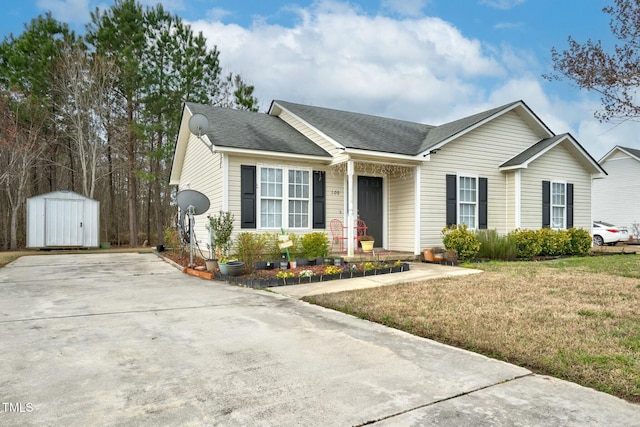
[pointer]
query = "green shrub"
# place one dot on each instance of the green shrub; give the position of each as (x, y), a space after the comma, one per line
(527, 243)
(462, 240)
(171, 239)
(272, 248)
(271, 251)
(580, 241)
(221, 227)
(250, 248)
(495, 246)
(314, 245)
(554, 242)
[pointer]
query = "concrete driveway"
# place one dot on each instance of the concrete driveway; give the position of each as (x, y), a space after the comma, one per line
(126, 339)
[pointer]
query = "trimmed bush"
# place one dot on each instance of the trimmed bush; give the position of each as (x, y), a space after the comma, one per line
(314, 245)
(548, 242)
(554, 242)
(580, 241)
(527, 243)
(462, 240)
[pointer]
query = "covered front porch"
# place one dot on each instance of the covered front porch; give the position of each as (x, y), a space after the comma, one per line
(381, 200)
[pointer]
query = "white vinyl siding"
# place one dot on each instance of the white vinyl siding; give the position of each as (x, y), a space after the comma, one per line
(203, 171)
(478, 153)
(401, 213)
(615, 197)
(561, 166)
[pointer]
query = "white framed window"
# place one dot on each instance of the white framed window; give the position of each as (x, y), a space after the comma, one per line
(558, 205)
(285, 197)
(468, 201)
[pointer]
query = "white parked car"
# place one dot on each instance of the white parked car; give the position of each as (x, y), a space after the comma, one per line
(608, 234)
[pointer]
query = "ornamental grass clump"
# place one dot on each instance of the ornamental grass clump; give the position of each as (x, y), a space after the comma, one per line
(495, 246)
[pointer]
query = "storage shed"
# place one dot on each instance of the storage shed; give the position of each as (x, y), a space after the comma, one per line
(62, 219)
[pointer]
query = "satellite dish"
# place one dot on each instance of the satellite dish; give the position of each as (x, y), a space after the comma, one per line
(199, 124)
(193, 203)
(192, 199)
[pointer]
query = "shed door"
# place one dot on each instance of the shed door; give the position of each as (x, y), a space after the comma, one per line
(64, 222)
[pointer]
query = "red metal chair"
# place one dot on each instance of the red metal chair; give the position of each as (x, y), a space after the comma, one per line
(337, 233)
(361, 230)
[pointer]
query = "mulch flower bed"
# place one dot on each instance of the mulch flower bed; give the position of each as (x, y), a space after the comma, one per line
(294, 276)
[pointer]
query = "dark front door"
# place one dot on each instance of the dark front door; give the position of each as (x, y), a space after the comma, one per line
(370, 205)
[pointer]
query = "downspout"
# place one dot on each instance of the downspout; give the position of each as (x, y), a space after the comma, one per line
(225, 182)
(417, 203)
(518, 196)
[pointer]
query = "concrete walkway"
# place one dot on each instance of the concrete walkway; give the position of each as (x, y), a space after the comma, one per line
(418, 271)
(127, 339)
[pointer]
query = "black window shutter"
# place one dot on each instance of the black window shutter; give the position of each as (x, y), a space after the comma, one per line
(569, 205)
(319, 199)
(248, 196)
(546, 204)
(452, 200)
(482, 203)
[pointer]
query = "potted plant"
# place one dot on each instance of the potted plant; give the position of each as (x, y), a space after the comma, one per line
(220, 229)
(367, 242)
(235, 268)
(222, 264)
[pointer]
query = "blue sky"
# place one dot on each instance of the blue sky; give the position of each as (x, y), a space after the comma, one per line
(429, 61)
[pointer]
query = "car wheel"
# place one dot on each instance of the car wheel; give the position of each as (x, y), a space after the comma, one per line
(598, 240)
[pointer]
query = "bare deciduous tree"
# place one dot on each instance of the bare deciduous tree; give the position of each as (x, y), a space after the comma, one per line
(85, 83)
(616, 75)
(21, 148)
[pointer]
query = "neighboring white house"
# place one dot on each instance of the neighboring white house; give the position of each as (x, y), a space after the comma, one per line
(62, 219)
(299, 166)
(616, 199)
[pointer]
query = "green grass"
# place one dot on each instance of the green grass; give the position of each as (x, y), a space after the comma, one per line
(574, 318)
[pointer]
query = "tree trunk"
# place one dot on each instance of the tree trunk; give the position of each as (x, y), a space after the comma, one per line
(132, 189)
(112, 224)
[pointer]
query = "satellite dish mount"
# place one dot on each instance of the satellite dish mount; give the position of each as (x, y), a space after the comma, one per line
(192, 202)
(199, 125)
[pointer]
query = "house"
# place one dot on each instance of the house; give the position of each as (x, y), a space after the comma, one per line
(300, 166)
(616, 199)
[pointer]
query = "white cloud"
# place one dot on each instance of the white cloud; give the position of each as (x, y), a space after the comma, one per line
(502, 4)
(405, 7)
(421, 69)
(339, 57)
(69, 11)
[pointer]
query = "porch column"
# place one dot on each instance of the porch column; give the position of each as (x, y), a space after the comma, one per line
(350, 217)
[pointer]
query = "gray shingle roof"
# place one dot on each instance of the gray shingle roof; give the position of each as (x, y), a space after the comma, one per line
(445, 131)
(532, 151)
(362, 131)
(632, 151)
(366, 132)
(254, 131)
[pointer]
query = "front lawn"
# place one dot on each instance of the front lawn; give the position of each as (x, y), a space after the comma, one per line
(576, 318)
